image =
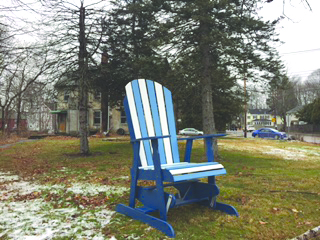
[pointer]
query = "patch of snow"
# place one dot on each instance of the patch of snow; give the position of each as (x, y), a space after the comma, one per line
(6, 177)
(85, 189)
(38, 220)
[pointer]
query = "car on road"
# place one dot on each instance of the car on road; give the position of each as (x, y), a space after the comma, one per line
(190, 131)
(250, 128)
(269, 133)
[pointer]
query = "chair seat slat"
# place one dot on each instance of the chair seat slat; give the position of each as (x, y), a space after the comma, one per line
(196, 169)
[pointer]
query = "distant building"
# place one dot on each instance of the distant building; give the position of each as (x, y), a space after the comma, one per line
(11, 123)
(67, 113)
(40, 118)
(292, 118)
(259, 118)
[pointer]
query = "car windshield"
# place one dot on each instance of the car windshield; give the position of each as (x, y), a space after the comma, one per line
(275, 130)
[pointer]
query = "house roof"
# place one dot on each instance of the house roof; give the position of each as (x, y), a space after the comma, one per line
(259, 111)
(261, 120)
(295, 109)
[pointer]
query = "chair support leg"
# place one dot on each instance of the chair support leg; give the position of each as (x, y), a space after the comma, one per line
(157, 223)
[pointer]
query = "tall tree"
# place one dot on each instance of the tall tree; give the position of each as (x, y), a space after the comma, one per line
(74, 33)
(130, 48)
(219, 35)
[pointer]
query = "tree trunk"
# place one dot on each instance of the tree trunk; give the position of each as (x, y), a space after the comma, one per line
(104, 111)
(206, 81)
(2, 119)
(83, 86)
(18, 115)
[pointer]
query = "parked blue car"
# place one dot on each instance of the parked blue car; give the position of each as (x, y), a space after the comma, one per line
(269, 133)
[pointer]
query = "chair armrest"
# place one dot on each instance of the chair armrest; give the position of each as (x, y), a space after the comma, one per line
(208, 138)
(149, 138)
(203, 136)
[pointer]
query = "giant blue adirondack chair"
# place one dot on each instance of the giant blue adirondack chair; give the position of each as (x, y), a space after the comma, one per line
(150, 116)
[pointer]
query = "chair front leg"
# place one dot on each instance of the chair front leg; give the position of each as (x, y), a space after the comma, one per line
(134, 174)
(159, 180)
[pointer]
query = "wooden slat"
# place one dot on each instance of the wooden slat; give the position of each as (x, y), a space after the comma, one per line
(156, 119)
(146, 107)
(142, 121)
(135, 121)
(171, 125)
(163, 121)
(196, 169)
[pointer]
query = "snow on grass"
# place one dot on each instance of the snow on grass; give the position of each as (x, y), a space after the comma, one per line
(37, 219)
(4, 177)
(287, 153)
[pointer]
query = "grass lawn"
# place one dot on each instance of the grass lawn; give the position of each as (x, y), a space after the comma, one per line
(48, 190)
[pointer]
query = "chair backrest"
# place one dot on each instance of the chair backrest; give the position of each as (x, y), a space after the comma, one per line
(149, 111)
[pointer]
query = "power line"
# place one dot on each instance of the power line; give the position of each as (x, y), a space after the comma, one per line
(308, 50)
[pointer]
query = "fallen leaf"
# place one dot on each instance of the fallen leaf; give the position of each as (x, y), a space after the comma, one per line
(262, 223)
(294, 210)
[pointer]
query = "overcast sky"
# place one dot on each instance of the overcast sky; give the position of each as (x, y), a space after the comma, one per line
(300, 32)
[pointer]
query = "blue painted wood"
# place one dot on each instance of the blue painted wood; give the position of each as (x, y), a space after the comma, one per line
(149, 197)
(134, 174)
(226, 208)
(159, 180)
(182, 165)
(204, 136)
(149, 138)
(171, 125)
(157, 223)
(152, 144)
(142, 121)
(128, 115)
(156, 118)
(187, 154)
(186, 177)
(209, 149)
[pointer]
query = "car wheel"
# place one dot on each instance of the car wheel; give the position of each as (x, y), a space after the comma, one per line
(276, 137)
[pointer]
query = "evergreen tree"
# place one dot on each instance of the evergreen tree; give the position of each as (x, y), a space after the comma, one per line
(219, 35)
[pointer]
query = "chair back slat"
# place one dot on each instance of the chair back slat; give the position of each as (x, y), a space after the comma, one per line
(149, 110)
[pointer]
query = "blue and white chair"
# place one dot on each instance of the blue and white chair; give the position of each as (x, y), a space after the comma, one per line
(151, 122)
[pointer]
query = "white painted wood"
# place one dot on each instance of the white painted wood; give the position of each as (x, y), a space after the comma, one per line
(135, 122)
(196, 169)
(163, 121)
(146, 107)
(164, 166)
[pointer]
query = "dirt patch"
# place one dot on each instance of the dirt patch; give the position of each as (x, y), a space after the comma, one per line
(80, 155)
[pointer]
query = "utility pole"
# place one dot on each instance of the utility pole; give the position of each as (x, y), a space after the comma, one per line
(245, 105)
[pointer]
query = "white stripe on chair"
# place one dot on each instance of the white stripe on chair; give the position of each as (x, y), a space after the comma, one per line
(135, 122)
(163, 121)
(146, 107)
(196, 169)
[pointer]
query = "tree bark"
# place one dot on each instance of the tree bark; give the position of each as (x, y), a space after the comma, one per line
(83, 86)
(206, 81)
(104, 111)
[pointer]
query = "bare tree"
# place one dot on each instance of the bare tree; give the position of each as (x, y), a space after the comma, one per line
(74, 33)
(18, 76)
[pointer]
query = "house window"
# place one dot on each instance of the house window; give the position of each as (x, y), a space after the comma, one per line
(249, 117)
(66, 96)
(97, 95)
(267, 117)
(254, 116)
(97, 117)
(123, 117)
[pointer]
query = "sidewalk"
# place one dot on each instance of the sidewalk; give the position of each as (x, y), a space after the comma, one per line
(305, 137)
